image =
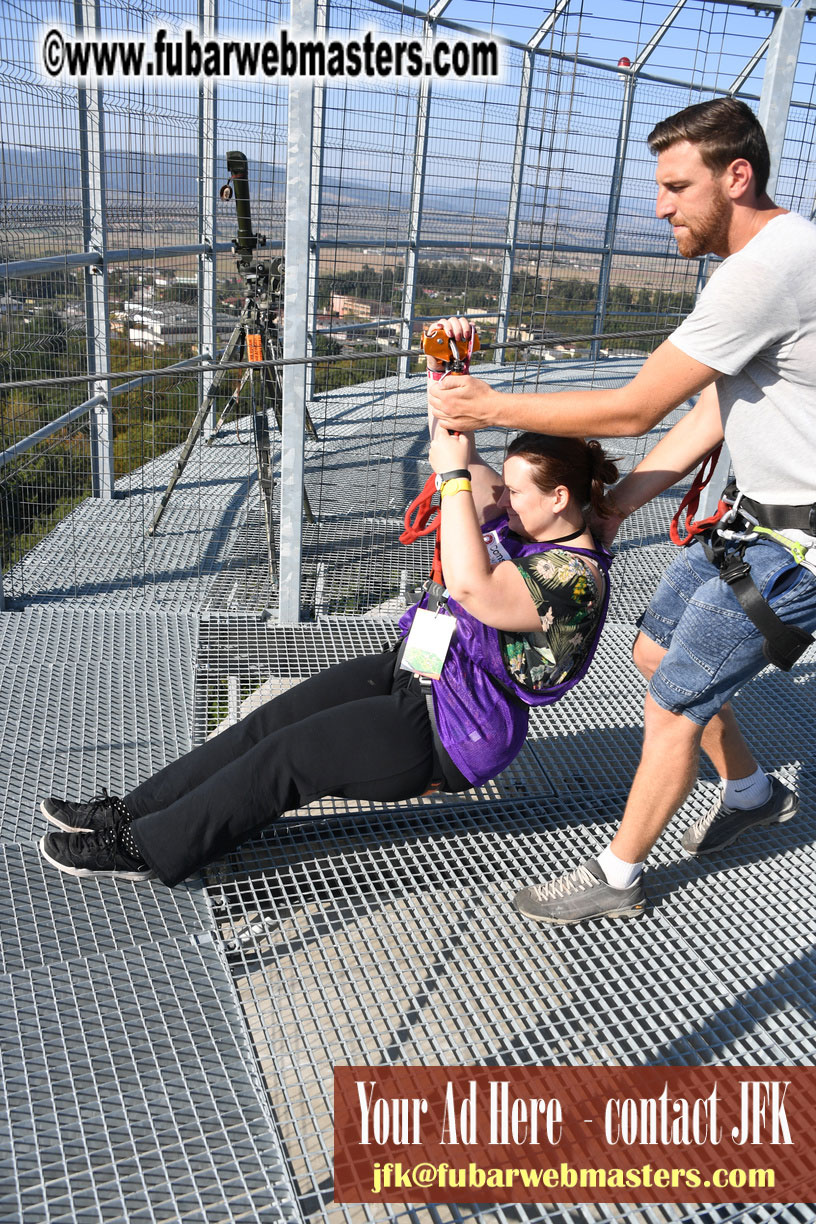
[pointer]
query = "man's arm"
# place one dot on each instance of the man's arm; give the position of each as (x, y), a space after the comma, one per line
(486, 482)
(674, 456)
(666, 379)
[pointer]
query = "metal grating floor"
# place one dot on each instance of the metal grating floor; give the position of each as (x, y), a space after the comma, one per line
(379, 936)
(128, 1083)
(123, 1100)
(92, 698)
(167, 1054)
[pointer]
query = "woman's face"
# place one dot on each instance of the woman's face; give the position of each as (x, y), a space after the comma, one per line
(529, 511)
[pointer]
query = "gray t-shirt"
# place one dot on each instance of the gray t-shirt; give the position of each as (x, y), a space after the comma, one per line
(755, 322)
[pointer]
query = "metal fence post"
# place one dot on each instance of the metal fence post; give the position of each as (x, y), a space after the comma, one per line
(295, 325)
(319, 128)
(620, 163)
(777, 84)
(207, 133)
(508, 261)
(613, 208)
(94, 232)
(774, 104)
(516, 174)
(417, 196)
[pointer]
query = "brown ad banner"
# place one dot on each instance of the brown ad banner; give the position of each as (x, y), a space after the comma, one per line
(575, 1134)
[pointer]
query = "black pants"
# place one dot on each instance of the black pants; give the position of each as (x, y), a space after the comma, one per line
(359, 730)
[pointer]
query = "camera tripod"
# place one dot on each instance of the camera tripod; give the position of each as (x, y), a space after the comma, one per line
(254, 340)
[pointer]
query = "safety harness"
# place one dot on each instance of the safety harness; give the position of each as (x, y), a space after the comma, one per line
(725, 535)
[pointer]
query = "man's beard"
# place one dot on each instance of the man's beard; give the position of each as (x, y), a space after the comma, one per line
(709, 234)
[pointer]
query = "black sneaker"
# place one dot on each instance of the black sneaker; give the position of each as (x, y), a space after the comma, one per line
(721, 825)
(97, 813)
(100, 852)
(578, 895)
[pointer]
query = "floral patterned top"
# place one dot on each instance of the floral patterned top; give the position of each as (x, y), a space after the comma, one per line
(569, 596)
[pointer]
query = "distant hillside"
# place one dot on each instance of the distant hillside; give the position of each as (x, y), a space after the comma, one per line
(39, 175)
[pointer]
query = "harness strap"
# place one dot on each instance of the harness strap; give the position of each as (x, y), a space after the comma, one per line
(427, 519)
(438, 780)
(783, 644)
(439, 754)
(692, 500)
(780, 518)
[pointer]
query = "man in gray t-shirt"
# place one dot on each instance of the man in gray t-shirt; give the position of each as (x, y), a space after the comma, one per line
(755, 322)
(749, 350)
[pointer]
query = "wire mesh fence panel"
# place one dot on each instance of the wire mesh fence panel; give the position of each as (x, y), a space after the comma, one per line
(526, 203)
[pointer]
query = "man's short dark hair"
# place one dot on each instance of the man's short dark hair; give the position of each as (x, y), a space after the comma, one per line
(722, 130)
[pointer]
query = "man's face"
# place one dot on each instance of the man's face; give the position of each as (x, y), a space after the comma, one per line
(693, 201)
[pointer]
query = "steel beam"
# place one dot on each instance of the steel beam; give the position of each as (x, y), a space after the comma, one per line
(92, 259)
(318, 144)
(207, 133)
(296, 316)
(755, 59)
(653, 43)
(417, 194)
(94, 232)
(613, 208)
(777, 85)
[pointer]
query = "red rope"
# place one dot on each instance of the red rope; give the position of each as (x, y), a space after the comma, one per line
(692, 500)
(427, 519)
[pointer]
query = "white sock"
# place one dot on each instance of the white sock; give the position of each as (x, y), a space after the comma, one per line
(619, 874)
(744, 793)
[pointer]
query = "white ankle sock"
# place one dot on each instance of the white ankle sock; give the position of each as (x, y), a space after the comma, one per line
(744, 793)
(619, 874)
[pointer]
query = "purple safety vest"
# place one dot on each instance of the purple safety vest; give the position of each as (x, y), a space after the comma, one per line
(481, 711)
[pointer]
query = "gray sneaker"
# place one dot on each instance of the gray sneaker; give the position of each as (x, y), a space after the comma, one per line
(721, 825)
(580, 894)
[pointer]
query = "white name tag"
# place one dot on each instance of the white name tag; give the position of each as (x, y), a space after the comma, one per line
(427, 645)
(495, 549)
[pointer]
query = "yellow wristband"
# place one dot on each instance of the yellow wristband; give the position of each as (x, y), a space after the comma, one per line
(459, 485)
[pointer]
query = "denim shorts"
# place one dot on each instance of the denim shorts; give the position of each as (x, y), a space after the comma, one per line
(712, 647)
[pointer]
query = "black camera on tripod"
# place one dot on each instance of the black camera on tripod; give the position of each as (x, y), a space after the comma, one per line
(265, 273)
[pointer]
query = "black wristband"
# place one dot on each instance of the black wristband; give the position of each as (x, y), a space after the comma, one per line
(460, 473)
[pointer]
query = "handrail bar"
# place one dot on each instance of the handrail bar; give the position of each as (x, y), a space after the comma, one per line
(41, 435)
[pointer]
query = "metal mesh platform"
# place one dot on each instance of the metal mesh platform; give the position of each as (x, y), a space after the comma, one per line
(128, 1084)
(123, 1101)
(92, 698)
(168, 1054)
(361, 935)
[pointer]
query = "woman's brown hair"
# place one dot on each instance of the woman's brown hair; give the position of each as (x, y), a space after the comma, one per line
(582, 467)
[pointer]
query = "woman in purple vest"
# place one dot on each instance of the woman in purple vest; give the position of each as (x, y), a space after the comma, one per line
(526, 596)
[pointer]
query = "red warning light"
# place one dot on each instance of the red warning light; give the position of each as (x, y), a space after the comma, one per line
(624, 62)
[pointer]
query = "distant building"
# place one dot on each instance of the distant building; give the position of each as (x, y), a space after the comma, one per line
(168, 323)
(343, 304)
